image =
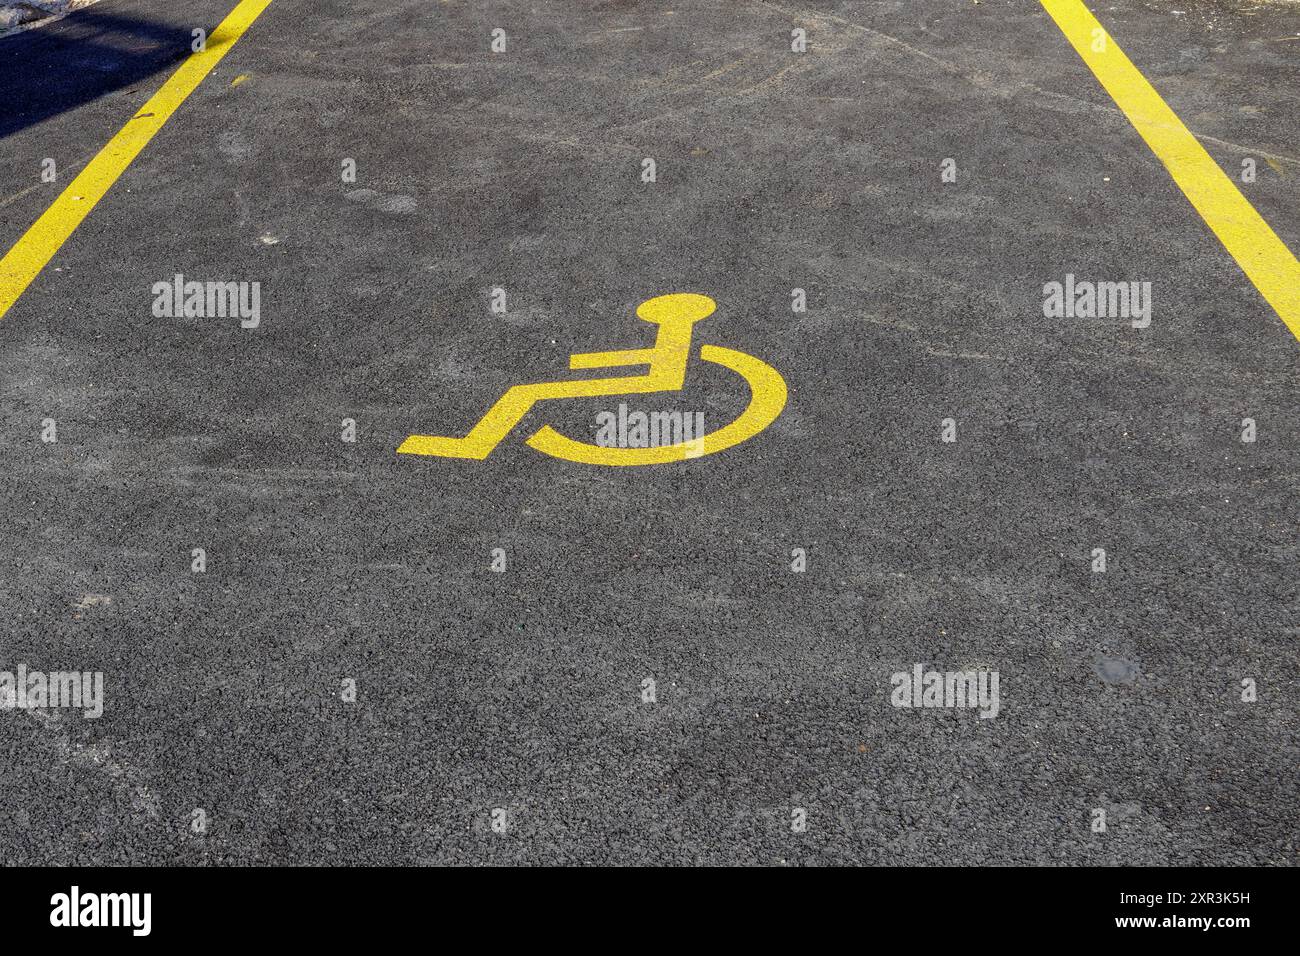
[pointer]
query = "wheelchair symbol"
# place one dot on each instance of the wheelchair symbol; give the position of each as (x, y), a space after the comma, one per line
(675, 315)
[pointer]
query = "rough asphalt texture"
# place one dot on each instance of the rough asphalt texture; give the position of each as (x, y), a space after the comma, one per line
(522, 690)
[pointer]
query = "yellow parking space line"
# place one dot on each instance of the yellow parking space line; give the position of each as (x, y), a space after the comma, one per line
(29, 255)
(1265, 259)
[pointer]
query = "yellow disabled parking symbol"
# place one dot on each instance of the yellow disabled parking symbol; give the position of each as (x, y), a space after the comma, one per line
(666, 361)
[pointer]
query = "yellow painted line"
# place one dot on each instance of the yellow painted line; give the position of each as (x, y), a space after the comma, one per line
(1265, 259)
(29, 255)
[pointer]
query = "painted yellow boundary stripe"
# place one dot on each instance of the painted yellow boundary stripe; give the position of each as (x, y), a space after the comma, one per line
(28, 257)
(1265, 259)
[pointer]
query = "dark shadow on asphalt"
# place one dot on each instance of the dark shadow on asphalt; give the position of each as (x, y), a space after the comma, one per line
(49, 70)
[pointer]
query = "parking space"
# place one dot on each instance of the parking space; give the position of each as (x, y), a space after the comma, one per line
(562, 661)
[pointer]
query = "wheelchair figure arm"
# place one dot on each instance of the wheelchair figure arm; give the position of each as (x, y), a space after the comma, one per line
(612, 359)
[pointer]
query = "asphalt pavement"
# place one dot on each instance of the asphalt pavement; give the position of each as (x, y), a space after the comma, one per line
(500, 220)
